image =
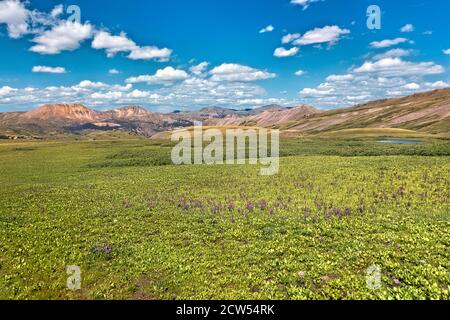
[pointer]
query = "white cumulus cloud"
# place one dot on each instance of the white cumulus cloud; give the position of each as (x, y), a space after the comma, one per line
(394, 53)
(199, 68)
(45, 69)
(112, 44)
(437, 85)
(91, 84)
(66, 36)
(304, 3)
(407, 28)
(269, 28)
(14, 14)
(239, 73)
(113, 71)
(193, 92)
(6, 90)
(162, 76)
(343, 77)
(57, 11)
(283, 53)
(398, 67)
(150, 53)
(376, 79)
(387, 43)
(411, 86)
(315, 92)
(327, 34)
(290, 37)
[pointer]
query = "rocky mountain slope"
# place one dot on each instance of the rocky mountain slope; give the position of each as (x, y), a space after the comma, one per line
(424, 112)
(269, 117)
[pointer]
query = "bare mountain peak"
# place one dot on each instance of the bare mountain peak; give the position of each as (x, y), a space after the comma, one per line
(133, 109)
(62, 111)
(130, 112)
(306, 109)
(66, 107)
(270, 107)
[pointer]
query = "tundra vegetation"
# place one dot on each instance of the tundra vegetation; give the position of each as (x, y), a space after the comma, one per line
(140, 227)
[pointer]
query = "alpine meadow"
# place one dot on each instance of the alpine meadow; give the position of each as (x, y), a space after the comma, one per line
(238, 151)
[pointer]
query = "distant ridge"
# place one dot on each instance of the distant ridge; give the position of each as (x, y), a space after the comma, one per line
(270, 116)
(427, 112)
(131, 111)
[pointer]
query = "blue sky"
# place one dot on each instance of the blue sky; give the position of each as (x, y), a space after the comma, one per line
(178, 54)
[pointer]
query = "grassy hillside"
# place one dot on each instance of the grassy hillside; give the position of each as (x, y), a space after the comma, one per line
(142, 230)
(427, 112)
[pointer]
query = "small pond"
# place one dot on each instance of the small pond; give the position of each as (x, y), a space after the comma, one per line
(401, 141)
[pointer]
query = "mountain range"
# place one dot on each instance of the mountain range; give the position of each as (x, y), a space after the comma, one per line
(427, 112)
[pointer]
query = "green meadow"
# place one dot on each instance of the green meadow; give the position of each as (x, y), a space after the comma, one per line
(141, 228)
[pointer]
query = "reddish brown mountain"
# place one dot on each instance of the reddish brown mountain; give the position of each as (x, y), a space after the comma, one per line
(70, 112)
(269, 117)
